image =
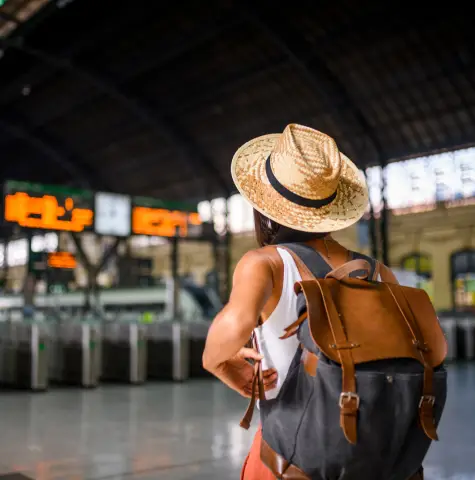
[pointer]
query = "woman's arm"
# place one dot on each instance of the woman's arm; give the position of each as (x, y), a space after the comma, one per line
(233, 326)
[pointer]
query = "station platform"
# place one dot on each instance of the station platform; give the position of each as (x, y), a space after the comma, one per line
(175, 432)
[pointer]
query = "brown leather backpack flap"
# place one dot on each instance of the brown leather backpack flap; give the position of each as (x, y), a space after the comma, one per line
(373, 322)
(425, 316)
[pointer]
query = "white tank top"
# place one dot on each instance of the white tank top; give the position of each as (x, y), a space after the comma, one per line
(279, 353)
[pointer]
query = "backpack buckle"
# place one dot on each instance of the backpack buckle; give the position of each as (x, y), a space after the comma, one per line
(430, 399)
(348, 396)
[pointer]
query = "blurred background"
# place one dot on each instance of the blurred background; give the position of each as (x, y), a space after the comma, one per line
(121, 227)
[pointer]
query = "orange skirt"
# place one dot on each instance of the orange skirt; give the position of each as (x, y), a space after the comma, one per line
(253, 468)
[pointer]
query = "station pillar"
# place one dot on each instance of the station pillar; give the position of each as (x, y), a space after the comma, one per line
(384, 220)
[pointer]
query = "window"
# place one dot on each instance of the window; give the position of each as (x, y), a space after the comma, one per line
(420, 183)
(463, 279)
(421, 265)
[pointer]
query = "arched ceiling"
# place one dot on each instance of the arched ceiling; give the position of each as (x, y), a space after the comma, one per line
(153, 98)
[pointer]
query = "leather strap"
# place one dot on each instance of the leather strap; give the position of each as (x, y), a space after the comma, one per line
(349, 267)
(387, 276)
(310, 362)
(426, 404)
(280, 467)
(349, 399)
(247, 419)
(257, 386)
(293, 328)
(377, 268)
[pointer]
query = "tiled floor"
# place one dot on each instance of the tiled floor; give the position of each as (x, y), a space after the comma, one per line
(175, 432)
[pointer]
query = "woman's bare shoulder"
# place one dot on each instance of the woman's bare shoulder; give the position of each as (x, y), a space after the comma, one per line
(263, 262)
(260, 256)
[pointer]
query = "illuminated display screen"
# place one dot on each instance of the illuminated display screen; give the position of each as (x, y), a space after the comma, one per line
(163, 223)
(156, 218)
(64, 260)
(61, 210)
(112, 214)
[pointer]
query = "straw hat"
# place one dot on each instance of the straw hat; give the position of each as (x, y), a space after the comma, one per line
(301, 180)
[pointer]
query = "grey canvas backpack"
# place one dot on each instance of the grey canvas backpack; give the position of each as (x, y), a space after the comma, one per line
(366, 389)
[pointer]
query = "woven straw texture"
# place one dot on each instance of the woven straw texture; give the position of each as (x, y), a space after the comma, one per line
(309, 164)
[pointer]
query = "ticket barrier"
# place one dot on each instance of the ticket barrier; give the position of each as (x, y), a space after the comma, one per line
(175, 350)
(168, 351)
(160, 351)
(467, 325)
(124, 353)
(75, 354)
(198, 332)
(449, 326)
(459, 331)
(24, 355)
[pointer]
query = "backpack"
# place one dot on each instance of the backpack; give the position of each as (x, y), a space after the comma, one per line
(366, 389)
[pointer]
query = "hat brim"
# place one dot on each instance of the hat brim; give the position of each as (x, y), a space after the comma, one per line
(249, 175)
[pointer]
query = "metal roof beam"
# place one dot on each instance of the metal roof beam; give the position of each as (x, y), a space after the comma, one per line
(165, 124)
(79, 174)
(317, 72)
(9, 18)
(90, 39)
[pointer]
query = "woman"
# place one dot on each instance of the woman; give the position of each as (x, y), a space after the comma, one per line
(302, 188)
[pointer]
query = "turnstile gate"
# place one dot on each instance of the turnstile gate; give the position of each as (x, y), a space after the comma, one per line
(460, 335)
(198, 332)
(169, 354)
(75, 354)
(124, 353)
(467, 325)
(449, 326)
(24, 355)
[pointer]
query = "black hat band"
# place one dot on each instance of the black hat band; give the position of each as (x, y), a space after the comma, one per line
(293, 197)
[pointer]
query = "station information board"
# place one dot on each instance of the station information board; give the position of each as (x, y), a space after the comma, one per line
(64, 260)
(48, 208)
(69, 210)
(156, 218)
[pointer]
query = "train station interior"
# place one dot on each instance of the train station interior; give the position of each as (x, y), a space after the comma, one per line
(121, 226)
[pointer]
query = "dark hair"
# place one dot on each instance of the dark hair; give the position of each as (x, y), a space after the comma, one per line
(269, 232)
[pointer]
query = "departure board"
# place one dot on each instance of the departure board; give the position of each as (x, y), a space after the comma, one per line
(63, 209)
(48, 207)
(160, 219)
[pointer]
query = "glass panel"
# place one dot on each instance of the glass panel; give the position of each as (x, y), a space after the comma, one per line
(421, 264)
(463, 262)
(417, 184)
(464, 291)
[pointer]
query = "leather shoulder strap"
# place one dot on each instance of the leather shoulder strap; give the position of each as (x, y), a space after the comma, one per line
(351, 267)
(360, 256)
(387, 276)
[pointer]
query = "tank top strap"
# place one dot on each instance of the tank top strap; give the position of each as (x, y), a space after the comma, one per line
(291, 274)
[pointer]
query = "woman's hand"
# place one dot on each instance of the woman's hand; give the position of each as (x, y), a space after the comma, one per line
(238, 373)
